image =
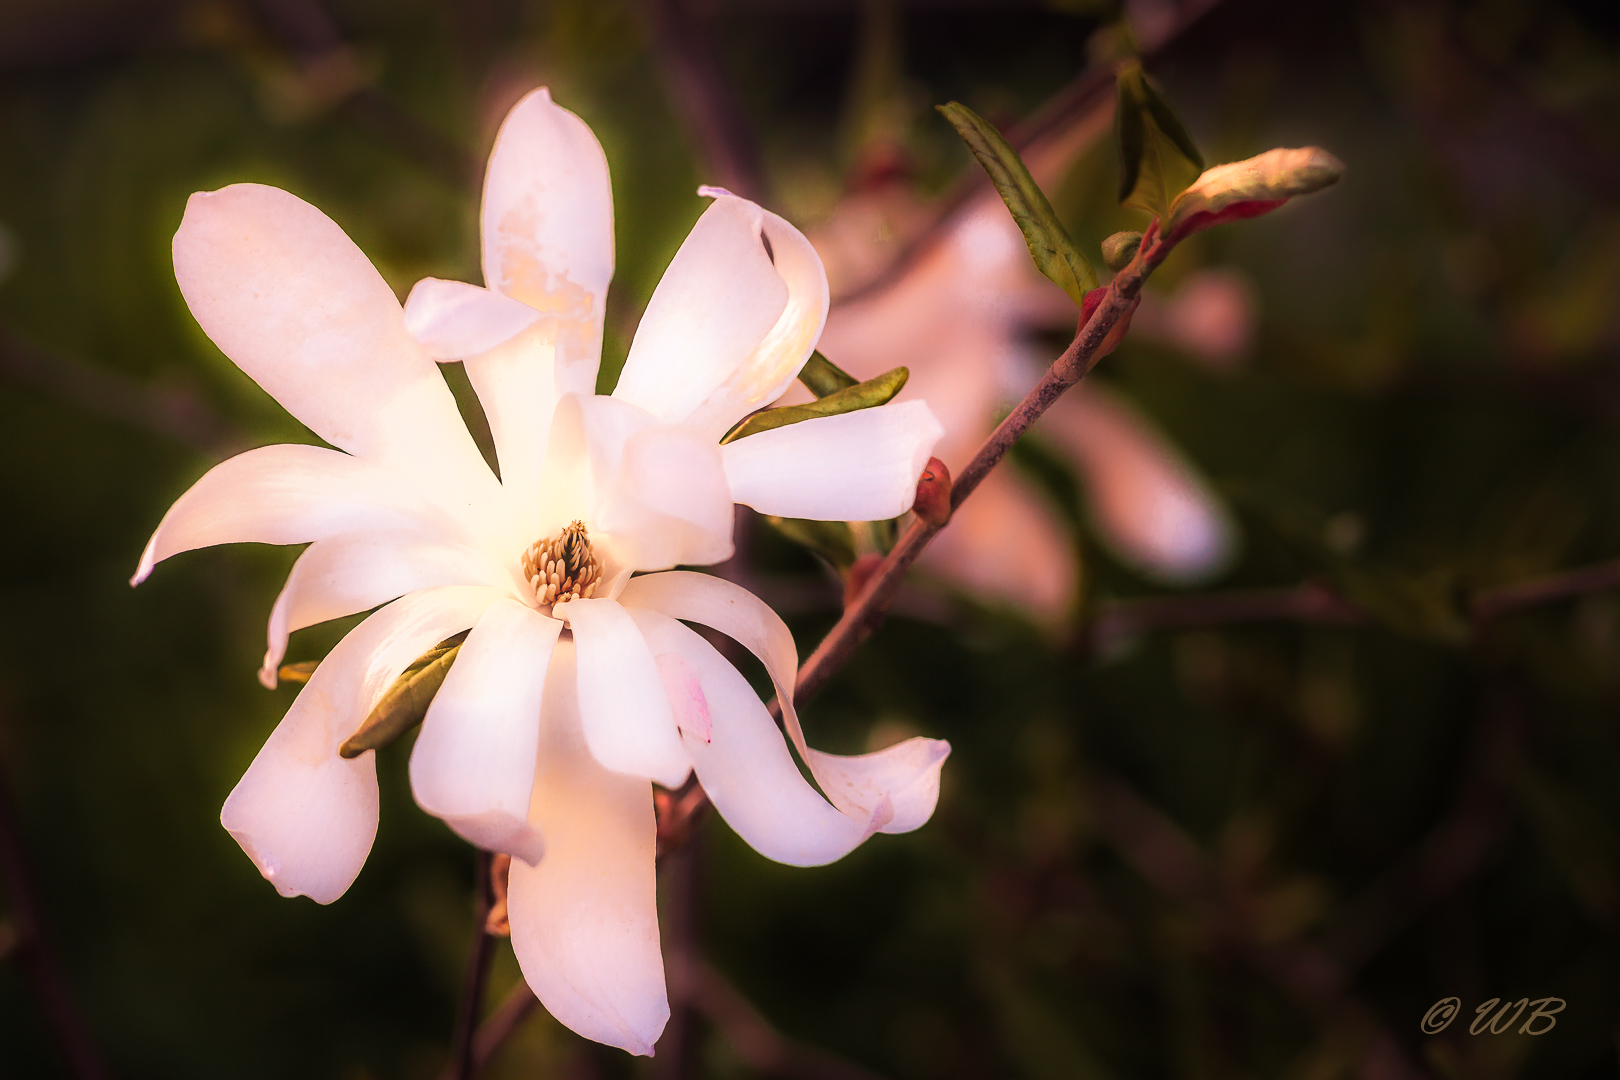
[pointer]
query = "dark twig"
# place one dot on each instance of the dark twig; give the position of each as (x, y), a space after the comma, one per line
(677, 1048)
(463, 1056)
(1173, 864)
(760, 1046)
(309, 31)
(516, 1007)
(173, 412)
(1563, 585)
(697, 87)
(37, 958)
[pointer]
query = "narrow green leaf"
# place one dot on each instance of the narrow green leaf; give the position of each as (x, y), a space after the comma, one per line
(832, 540)
(822, 377)
(1157, 158)
(866, 395)
(1055, 254)
(406, 701)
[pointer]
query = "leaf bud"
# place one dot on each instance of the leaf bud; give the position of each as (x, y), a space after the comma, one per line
(1119, 249)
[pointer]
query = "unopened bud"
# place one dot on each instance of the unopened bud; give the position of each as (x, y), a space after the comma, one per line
(933, 502)
(1119, 249)
(497, 923)
(1245, 189)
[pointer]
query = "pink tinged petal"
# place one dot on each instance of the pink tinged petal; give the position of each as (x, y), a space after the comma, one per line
(859, 466)
(714, 306)
(584, 919)
(629, 725)
(896, 788)
(1005, 544)
(299, 308)
(304, 815)
(1147, 502)
(356, 571)
(771, 368)
(547, 227)
(473, 763)
(289, 495)
(745, 766)
(453, 320)
(686, 699)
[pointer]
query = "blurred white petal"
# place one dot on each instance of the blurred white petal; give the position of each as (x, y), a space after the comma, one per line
(584, 920)
(304, 815)
(857, 466)
(628, 723)
(1148, 503)
(547, 224)
(473, 763)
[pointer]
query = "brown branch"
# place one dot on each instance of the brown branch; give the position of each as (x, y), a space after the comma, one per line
(36, 956)
(1563, 585)
(463, 1061)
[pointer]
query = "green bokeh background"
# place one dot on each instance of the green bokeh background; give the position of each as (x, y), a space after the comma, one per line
(1437, 358)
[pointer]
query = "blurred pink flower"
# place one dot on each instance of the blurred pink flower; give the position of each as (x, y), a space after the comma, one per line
(959, 318)
(578, 682)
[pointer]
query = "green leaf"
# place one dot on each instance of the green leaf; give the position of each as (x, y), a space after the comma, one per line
(832, 540)
(406, 701)
(866, 395)
(1157, 158)
(1055, 254)
(822, 377)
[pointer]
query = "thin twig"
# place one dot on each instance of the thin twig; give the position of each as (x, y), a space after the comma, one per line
(676, 1054)
(463, 1058)
(1563, 585)
(516, 1007)
(36, 956)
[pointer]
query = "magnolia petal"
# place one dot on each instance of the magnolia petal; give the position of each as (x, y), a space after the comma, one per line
(288, 296)
(356, 571)
(453, 320)
(289, 494)
(584, 919)
(628, 723)
(304, 815)
(776, 360)
(896, 788)
(712, 309)
(655, 495)
(1147, 502)
(745, 766)
(547, 225)
(859, 466)
(670, 504)
(473, 763)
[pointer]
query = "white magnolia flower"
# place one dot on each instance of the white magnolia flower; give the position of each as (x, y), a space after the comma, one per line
(578, 683)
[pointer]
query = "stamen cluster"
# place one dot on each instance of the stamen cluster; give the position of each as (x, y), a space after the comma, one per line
(564, 567)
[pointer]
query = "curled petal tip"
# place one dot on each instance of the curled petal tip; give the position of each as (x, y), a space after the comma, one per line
(712, 191)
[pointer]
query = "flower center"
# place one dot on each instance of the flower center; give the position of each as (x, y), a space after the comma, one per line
(564, 567)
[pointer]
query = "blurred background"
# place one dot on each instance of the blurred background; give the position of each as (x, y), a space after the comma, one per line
(1281, 667)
